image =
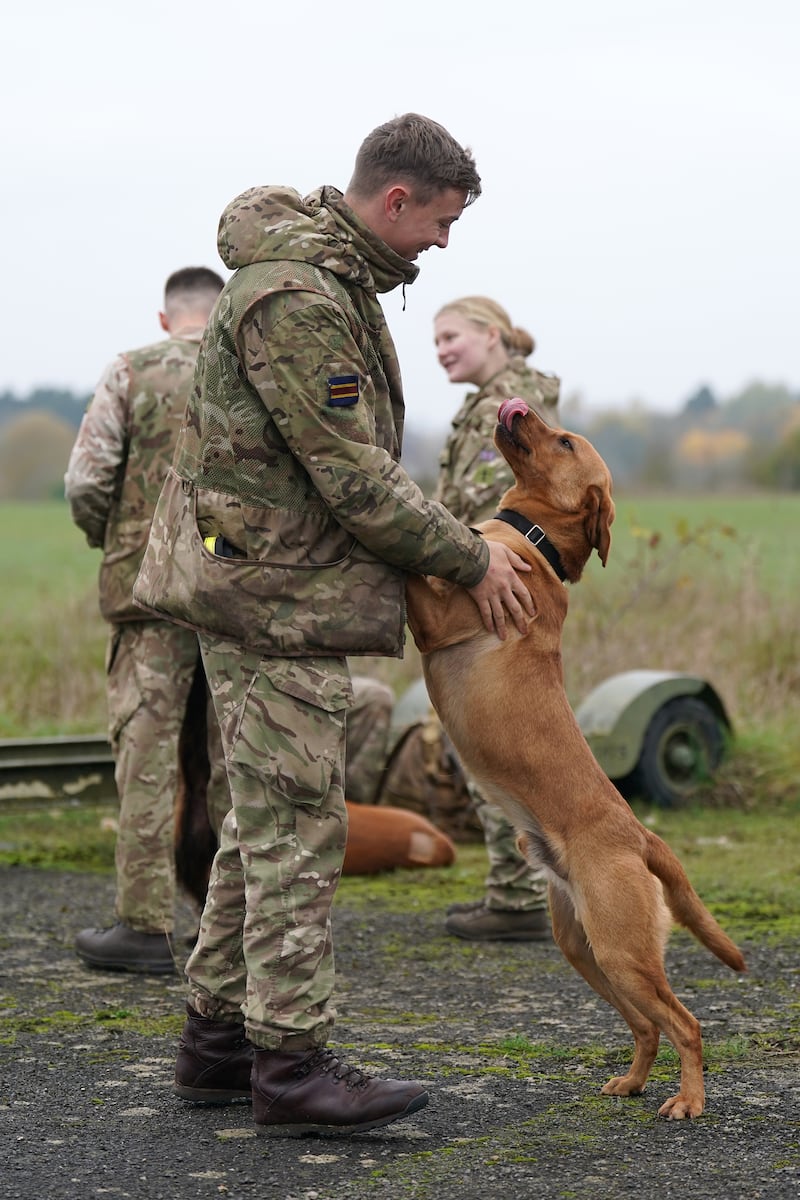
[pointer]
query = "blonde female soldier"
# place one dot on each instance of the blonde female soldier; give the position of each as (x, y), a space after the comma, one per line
(477, 344)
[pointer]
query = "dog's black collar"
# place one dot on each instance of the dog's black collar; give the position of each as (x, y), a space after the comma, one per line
(536, 536)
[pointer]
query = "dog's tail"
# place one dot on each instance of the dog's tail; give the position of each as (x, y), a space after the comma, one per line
(686, 906)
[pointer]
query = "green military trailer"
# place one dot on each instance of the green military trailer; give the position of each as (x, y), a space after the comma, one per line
(656, 734)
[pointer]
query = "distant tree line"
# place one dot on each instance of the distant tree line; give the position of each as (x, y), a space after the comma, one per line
(36, 436)
(751, 439)
(66, 406)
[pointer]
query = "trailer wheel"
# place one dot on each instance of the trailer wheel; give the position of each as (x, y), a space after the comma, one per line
(682, 747)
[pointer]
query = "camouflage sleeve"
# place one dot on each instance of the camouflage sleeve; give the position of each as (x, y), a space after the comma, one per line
(98, 456)
(310, 344)
(473, 475)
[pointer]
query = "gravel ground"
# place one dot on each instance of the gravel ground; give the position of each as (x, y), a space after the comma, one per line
(86, 1108)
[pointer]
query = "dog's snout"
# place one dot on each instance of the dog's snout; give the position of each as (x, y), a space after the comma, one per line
(510, 409)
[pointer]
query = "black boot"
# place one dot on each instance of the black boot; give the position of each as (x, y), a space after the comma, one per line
(313, 1091)
(121, 948)
(214, 1061)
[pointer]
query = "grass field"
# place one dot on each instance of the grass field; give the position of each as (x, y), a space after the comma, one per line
(731, 536)
(51, 670)
(706, 585)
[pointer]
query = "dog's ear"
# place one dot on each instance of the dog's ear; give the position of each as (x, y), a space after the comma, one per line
(600, 514)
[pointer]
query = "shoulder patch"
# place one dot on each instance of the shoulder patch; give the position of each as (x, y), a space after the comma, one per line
(342, 390)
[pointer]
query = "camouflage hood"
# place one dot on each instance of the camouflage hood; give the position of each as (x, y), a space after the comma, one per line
(266, 224)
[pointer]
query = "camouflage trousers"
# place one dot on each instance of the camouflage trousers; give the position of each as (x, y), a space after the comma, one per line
(511, 882)
(264, 948)
(150, 666)
(368, 723)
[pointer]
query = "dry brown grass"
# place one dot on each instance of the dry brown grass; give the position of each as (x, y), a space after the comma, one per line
(742, 638)
(52, 677)
(652, 610)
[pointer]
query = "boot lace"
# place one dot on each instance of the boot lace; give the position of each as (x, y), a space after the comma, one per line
(328, 1063)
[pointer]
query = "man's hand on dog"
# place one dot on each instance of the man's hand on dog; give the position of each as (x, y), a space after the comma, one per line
(501, 590)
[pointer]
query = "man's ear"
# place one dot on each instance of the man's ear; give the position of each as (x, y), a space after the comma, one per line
(395, 201)
(163, 322)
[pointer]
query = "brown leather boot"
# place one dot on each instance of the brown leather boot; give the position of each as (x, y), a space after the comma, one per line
(313, 1091)
(214, 1061)
(479, 923)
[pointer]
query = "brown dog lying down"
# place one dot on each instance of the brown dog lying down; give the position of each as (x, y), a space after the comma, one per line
(614, 885)
(379, 837)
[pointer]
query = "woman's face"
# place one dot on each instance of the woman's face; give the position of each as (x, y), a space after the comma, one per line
(466, 350)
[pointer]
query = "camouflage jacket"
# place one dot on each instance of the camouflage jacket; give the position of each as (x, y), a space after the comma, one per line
(473, 475)
(121, 456)
(291, 444)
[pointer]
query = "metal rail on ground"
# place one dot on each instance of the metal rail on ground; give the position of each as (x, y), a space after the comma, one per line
(79, 769)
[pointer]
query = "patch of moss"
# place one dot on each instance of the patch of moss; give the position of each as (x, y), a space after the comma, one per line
(115, 1020)
(50, 1023)
(126, 1021)
(116, 1054)
(61, 837)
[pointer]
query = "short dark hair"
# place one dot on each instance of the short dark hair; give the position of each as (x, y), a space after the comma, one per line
(193, 279)
(420, 151)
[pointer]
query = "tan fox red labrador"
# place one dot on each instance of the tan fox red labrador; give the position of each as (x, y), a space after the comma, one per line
(614, 885)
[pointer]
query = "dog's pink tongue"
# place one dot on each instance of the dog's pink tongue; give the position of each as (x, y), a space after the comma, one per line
(510, 409)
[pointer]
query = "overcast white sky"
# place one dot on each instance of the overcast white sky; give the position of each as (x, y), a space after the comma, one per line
(640, 162)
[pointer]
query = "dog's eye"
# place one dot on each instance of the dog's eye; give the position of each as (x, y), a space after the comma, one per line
(566, 443)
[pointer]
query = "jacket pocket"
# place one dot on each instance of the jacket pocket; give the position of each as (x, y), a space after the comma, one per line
(354, 605)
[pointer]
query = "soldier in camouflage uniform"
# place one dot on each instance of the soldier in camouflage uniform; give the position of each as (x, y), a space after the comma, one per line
(283, 534)
(115, 472)
(116, 469)
(476, 343)
(368, 728)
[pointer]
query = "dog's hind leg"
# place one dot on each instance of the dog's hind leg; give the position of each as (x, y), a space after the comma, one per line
(626, 923)
(655, 1000)
(571, 939)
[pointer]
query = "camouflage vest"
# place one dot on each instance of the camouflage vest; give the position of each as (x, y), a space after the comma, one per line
(305, 586)
(160, 380)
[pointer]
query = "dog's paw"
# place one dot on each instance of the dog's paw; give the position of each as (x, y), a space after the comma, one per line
(623, 1085)
(679, 1107)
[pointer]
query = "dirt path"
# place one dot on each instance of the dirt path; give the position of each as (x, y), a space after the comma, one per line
(513, 1045)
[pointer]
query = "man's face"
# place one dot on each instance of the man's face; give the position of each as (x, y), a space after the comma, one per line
(417, 226)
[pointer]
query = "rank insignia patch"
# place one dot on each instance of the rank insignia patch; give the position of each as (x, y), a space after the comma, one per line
(342, 390)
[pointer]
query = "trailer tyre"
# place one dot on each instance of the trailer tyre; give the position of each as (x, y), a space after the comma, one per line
(681, 749)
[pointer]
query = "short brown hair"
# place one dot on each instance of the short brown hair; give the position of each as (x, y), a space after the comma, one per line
(421, 152)
(193, 279)
(191, 290)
